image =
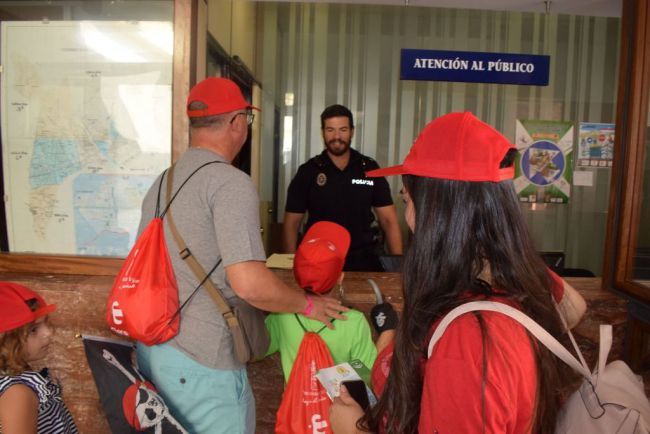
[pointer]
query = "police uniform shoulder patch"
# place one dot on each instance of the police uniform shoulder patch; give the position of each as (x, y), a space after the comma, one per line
(321, 179)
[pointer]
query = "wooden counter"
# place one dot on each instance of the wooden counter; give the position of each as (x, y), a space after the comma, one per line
(81, 301)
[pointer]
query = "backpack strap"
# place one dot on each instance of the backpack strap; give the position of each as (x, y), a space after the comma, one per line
(157, 212)
(305, 328)
(170, 179)
(187, 256)
(535, 329)
(604, 347)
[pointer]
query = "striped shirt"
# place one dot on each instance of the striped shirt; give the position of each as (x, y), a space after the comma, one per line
(53, 416)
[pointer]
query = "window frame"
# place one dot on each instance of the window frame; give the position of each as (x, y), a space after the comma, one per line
(629, 154)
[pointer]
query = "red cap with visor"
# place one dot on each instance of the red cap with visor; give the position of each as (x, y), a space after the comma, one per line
(320, 257)
(14, 310)
(456, 146)
(220, 95)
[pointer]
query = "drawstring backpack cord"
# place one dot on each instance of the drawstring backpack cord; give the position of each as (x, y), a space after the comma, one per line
(194, 292)
(181, 186)
(305, 329)
(162, 215)
(157, 213)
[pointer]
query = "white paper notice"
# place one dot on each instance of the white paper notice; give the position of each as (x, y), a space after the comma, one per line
(583, 178)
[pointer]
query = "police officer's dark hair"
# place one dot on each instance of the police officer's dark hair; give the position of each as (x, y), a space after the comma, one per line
(335, 111)
(204, 121)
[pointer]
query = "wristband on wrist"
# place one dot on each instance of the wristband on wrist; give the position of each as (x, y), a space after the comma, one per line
(310, 305)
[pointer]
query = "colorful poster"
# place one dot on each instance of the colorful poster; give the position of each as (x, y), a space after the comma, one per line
(596, 145)
(544, 167)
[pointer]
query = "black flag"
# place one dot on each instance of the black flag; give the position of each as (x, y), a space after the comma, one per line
(130, 402)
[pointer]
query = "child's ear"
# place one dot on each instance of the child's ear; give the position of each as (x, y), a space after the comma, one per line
(341, 278)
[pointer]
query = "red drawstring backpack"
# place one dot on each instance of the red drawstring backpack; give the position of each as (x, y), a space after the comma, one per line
(143, 303)
(305, 403)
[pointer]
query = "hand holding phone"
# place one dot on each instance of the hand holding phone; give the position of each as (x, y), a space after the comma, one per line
(357, 389)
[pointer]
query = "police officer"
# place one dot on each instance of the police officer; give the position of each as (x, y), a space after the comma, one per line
(332, 186)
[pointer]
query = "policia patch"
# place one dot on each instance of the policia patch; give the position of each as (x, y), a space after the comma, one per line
(321, 178)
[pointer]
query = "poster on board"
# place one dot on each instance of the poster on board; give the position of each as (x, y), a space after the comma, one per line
(596, 145)
(544, 169)
(86, 129)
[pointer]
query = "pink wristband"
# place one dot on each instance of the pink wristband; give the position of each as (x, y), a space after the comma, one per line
(310, 305)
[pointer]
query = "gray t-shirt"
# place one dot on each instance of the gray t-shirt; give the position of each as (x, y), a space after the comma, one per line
(217, 214)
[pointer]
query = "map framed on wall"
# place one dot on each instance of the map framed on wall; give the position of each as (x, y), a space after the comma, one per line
(544, 167)
(86, 127)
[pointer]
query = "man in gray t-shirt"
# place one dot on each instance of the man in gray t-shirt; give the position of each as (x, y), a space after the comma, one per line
(216, 212)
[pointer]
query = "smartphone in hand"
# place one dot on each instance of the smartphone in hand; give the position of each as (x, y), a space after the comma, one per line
(357, 389)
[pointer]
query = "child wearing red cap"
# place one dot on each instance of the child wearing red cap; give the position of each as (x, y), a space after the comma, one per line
(30, 401)
(470, 242)
(318, 269)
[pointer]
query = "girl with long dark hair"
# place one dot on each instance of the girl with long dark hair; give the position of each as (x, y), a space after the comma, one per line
(470, 242)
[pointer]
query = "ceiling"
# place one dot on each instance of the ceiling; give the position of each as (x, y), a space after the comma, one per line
(607, 8)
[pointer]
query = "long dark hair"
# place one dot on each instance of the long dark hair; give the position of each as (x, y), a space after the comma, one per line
(460, 229)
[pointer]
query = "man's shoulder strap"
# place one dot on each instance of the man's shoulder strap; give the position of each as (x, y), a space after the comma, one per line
(169, 173)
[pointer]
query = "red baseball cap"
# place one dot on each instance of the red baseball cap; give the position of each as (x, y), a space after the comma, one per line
(319, 259)
(14, 311)
(220, 95)
(456, 146)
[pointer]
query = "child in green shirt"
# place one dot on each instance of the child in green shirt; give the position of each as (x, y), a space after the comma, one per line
(318, 269)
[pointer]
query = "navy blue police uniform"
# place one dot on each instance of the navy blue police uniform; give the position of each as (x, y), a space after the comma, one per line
(345, 197)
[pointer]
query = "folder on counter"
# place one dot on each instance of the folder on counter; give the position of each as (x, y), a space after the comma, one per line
(280, 260)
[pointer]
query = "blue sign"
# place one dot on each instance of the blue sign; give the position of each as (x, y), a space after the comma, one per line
(475, 67)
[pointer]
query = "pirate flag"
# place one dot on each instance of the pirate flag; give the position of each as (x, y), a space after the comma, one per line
(131, 403)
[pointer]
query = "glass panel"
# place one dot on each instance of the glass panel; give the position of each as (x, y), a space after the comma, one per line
(641, 270)
(314, 55)
(86, 120)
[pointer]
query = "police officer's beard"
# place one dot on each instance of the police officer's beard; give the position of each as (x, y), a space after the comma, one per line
(337, 151)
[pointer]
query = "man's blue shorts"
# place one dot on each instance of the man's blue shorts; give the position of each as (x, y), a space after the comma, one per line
(203, 400)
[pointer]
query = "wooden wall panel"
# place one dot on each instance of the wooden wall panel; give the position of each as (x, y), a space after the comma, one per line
(81, 301)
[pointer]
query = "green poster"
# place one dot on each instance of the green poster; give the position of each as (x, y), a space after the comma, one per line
(544, 167)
